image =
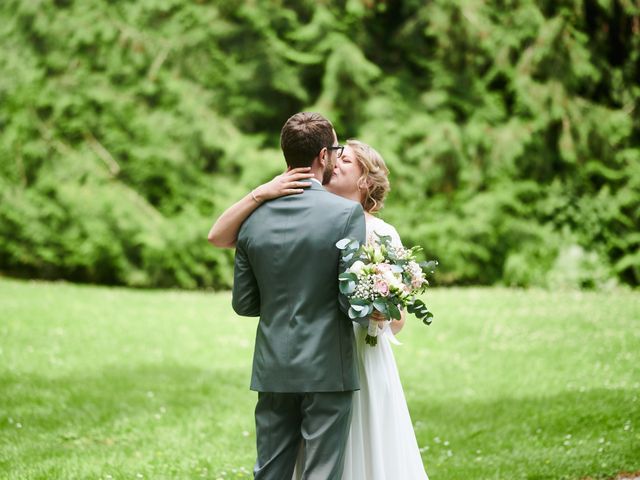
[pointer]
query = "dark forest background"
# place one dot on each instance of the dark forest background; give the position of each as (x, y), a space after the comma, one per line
(511, 129)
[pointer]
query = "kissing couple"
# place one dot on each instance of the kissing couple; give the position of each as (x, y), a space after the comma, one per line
(329, 406)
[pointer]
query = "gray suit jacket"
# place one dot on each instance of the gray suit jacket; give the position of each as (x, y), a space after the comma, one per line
(286, 272)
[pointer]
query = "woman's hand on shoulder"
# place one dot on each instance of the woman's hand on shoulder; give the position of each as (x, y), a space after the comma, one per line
(291, 182)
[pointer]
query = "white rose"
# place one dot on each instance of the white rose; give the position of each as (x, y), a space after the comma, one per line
(356, 267)
(392, 279)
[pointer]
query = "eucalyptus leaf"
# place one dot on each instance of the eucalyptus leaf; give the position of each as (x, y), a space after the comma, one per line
(342, 244)
(429, 266)
(358, 301)
(381, 306)
(394, 312)
(354, 244)
(346, 276)
(347, 288)
(384, 239)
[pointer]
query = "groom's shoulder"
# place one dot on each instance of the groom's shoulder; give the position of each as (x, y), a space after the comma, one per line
(338, 210)
(336, 201)
(255, 218)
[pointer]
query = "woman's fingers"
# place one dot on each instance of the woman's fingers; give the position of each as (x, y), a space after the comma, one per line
(378, 317)
(298, 176)
(298, 173)
(291, 182)
(299, 170)
(295, 185)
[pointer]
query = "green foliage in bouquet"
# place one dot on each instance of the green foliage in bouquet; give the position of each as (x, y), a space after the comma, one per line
(385, 278)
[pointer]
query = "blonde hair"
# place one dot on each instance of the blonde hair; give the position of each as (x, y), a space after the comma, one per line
(375, 175)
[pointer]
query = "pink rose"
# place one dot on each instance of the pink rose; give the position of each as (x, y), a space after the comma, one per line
(383, 267)
(382, 288)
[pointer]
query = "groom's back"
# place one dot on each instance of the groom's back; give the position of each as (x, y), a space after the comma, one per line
(304, 343)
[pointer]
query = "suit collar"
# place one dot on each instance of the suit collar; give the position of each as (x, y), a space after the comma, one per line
(315, 184)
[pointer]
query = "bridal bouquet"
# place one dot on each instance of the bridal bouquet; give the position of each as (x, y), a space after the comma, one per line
(385, 278)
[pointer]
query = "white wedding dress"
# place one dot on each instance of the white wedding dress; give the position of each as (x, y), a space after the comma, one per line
(382, 444)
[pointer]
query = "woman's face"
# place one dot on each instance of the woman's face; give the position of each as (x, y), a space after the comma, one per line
(346, 173)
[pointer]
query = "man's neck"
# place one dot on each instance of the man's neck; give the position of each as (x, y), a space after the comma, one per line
(317, 174)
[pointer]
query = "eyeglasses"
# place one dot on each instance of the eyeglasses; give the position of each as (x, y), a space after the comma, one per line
(338, 148)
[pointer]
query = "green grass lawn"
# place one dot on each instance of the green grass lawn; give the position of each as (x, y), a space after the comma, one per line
(506, 384)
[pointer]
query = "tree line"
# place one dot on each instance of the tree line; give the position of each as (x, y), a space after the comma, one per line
(511, 129)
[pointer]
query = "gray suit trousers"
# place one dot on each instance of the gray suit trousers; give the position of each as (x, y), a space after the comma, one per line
(284, 421)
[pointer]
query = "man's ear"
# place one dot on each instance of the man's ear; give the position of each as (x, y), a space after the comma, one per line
(322, 157)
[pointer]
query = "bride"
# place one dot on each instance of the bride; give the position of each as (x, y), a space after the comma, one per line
(381, 444)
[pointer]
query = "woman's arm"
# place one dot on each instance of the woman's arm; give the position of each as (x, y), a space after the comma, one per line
(396, 325)
(224, 231)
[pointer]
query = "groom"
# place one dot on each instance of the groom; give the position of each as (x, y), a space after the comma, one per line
(286, 272)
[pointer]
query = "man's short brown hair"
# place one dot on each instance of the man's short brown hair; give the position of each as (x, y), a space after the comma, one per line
(303, 136)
